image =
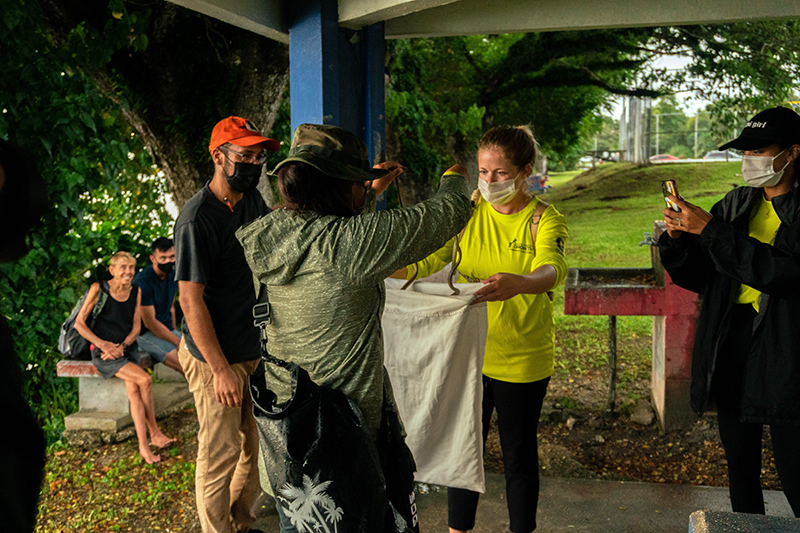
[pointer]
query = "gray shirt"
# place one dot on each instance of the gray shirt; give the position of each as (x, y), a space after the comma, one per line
(325, 280)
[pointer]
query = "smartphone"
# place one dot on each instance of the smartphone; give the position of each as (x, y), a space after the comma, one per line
(669, 187)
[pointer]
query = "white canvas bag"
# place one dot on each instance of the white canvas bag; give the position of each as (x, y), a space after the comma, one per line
(434, 344)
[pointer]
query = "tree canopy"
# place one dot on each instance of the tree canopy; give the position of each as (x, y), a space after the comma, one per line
(116, 100)
(444, 92)
(102, 196)
(173, 74)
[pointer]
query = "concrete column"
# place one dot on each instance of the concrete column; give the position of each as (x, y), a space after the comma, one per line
(673, 341)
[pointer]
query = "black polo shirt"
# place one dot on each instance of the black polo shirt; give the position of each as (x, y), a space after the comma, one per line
(207, 252)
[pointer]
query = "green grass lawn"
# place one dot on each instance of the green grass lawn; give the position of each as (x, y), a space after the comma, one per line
(560, 178)
(608, 210)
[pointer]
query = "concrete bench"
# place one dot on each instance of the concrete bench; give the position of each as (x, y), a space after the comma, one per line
(103, 404)
(723, 522)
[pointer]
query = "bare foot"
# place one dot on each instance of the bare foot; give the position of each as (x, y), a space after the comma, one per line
(159, 440)
(148, 456)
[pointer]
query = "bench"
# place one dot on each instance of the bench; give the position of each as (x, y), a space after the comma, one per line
(103, 404)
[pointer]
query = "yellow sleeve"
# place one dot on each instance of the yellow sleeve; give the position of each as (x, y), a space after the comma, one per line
(551, 239)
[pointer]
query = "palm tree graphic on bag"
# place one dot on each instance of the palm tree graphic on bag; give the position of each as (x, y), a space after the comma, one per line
(305, 506)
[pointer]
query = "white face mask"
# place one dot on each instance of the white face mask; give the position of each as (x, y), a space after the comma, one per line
(499, 192)
(758, 171)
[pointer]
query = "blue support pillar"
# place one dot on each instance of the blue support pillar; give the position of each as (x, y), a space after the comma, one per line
(336, 76)
(375, 96)
(313, 62)
(374, 107)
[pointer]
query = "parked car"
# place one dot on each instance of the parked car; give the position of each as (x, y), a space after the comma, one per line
(717, 155)
(588, 161)
(663, 157)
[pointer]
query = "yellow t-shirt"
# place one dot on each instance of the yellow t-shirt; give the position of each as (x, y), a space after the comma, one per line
(764, 224)
(520, 343)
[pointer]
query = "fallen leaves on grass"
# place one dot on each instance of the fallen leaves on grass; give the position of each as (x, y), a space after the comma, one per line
(111, 488)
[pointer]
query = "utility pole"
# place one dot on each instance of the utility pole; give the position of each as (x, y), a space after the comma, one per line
(658, 128)
(658, 121)
(623, 131)
(696, 122)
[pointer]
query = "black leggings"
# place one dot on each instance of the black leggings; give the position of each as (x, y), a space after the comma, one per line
(518, 408)
(742, 440)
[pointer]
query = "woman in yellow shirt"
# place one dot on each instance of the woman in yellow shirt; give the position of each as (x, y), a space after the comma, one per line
(499, 250)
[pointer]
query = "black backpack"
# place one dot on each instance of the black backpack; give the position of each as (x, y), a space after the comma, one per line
(70, 342)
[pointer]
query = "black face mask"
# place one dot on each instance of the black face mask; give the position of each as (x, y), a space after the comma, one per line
(166, 268)
(245, 177)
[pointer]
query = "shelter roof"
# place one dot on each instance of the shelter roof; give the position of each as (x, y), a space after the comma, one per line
(437, 18)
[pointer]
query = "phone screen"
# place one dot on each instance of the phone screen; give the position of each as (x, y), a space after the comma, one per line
(669, 187)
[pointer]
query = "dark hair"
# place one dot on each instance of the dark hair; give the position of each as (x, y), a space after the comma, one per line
(516, 143)
(304, 188)
(162, 244)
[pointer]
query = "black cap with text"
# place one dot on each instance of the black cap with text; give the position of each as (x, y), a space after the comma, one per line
(778, 125)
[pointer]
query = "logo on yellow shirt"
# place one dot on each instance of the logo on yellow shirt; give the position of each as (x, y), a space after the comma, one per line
(520, 247)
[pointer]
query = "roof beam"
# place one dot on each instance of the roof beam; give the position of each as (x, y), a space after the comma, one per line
(470, 17)
(356, 14)
(264, 17)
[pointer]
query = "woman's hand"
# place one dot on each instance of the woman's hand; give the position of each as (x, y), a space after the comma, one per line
(111, 350)
(499, 287)
(690, 219)
(394, 168)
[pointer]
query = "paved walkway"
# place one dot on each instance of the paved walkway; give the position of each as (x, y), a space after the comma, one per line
(578, 505)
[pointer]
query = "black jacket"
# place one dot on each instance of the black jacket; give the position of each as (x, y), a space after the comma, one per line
(715, 264)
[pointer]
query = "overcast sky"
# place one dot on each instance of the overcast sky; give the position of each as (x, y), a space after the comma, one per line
(690, 104)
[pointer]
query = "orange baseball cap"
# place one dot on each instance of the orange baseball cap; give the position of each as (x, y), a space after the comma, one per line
(241, 132)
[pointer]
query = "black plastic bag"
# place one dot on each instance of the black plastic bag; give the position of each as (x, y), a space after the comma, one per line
(397, 463)
(323, 466)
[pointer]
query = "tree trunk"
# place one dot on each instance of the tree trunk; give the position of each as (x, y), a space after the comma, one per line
(194, 71)
(411, 189)
(466, 154)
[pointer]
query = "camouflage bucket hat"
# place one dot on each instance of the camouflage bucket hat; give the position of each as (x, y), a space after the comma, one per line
(333, 151)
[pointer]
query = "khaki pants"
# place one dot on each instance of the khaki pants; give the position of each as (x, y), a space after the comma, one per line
(226, 480)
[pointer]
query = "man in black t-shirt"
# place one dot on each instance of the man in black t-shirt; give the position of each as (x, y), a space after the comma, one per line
(159, 336)
(220, 346)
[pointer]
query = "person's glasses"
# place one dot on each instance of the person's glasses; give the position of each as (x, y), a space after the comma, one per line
(255, 159)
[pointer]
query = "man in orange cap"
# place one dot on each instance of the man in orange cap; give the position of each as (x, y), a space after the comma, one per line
(220, 345)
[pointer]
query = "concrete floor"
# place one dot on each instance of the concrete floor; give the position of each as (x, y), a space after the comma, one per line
(577, 505)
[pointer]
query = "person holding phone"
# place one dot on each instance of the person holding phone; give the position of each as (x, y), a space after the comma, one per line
(744, 259)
